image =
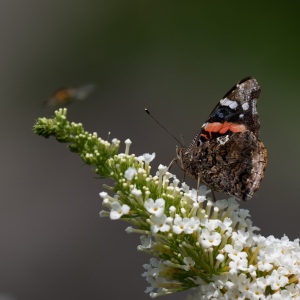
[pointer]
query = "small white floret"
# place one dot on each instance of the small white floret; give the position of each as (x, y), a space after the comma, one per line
(188, 263)
(159, 223)
(146, 157)
(130, 173)
(117, 210)
(155, 207)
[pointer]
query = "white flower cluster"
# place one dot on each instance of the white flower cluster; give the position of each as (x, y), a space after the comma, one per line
(274, 273)
(196, 242)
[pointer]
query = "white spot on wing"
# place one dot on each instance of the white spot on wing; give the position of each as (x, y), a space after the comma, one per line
(241, 116)
(223, 139)
(254, 111)
(230, 103)
(245, 106)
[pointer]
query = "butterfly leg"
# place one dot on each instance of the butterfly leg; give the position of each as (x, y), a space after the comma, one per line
(214, 199)
(171, 163)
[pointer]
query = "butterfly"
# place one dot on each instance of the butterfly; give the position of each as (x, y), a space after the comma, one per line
(227, 154)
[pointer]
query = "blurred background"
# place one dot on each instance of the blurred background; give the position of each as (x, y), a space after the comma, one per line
(175, 58)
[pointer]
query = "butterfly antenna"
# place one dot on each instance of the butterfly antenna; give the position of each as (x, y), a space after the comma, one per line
(162, 126)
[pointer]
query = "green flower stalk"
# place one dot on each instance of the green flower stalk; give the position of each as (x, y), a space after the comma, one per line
(211, 247)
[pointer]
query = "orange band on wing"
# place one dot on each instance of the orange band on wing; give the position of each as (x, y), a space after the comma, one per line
(204, 135)
(222, 128)
(237, 127)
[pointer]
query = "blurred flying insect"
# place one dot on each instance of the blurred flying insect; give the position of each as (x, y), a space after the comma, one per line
(65, 96)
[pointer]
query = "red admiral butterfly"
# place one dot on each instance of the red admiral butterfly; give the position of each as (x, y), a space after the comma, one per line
(227, 154)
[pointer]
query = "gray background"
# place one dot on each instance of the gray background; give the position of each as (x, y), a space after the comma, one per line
(175, 58)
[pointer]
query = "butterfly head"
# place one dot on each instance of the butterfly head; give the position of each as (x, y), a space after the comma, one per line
(183, 159)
